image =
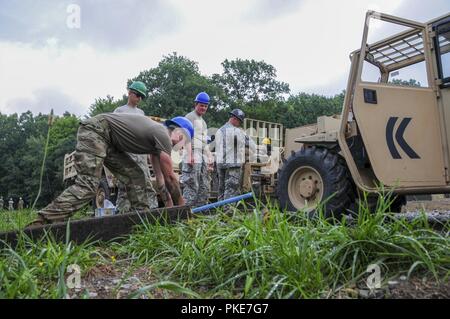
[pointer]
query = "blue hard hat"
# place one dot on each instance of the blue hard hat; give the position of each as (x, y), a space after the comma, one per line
(202, 97)
(182, 122)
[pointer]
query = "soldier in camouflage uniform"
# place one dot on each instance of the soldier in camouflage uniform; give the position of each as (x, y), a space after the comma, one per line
(136, 92)
(1, 202)
(197, 160)
(231, 142)
(106, 139)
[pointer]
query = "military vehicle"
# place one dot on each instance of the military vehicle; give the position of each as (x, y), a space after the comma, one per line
(388, 135)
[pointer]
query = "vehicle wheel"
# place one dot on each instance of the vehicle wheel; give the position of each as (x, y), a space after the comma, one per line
(397, 204)
(102, 194)
(312, 176)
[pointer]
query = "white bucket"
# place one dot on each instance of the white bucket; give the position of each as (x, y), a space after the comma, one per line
(101, 212)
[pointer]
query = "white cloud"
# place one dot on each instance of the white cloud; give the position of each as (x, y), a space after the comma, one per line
(308, 45)
(43, 100)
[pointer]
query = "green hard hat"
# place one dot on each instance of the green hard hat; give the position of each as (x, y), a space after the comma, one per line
(139, 87)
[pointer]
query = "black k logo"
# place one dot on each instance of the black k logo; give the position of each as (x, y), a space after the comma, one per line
(399, 138)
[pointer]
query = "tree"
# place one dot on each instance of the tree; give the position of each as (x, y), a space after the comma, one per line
(172, 87)
(304, 108)
(249, 81)
(21, 151)
(105, 105)
(410, 82)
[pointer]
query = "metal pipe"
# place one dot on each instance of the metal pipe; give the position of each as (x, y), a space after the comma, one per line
(222, 202)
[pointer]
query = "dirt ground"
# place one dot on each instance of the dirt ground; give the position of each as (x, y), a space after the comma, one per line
(120, 281)
(420, 288)
(441, 204)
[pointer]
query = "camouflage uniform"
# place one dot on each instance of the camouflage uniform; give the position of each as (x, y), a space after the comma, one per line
(122, 203)
(230, 181)
(94, 149)
(231, 143)
(195, 178)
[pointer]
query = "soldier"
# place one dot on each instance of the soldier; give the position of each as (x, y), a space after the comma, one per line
(11, 204)
(1, 203)
(106, 139)
(197, 160)
(20, 204)
(136, 92)
(231, 142)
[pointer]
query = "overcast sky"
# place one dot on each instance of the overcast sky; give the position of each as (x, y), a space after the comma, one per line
(49, 61)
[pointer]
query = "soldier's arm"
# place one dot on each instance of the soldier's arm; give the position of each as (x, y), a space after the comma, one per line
(170, 179)
(160, 184)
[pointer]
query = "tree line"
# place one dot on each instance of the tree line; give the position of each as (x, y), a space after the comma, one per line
(172, 85)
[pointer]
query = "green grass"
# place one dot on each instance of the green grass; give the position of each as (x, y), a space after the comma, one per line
(285, 255)
(18, 219)
(251, 255)
(39, 269)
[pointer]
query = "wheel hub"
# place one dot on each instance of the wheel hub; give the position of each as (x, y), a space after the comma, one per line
(308, 189)
(305, 187)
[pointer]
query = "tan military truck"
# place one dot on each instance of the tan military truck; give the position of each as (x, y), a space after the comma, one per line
(388, 134)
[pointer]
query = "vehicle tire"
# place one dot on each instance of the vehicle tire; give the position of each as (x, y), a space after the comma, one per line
(312, 176)
(101, 194)
(397, 204)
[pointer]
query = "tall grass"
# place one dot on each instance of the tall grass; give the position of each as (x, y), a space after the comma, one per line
(16, 219)
(19, 219)
(38, 269)
(281, 255)
(264, 253)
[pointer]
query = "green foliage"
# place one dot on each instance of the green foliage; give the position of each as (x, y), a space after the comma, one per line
(249, 81)
(38, 269)
(410, 82)
(172, 87)
(304, 108)
(21, 153)
(281, 255)
(105, 105)
(260, 253)
(16, 220)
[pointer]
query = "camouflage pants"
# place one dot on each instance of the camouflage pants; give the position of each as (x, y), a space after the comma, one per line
(195, 181)
(230, 180)
(123, 204)
(94, 150)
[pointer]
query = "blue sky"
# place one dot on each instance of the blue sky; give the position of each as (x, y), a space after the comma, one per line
(45, 64)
